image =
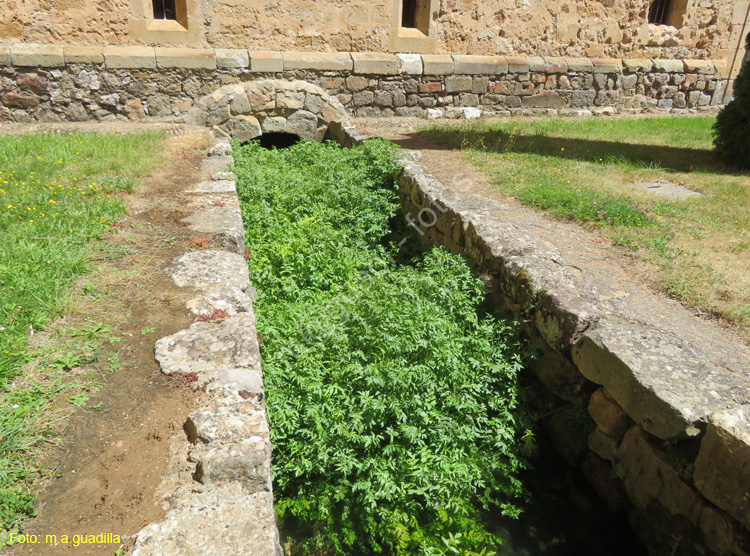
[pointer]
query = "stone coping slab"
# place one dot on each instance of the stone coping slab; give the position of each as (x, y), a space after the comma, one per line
(83, 54)
(222, 498)
(37, 55)
(222, 520)
(190, 58)
(372, 63)
(205, 269)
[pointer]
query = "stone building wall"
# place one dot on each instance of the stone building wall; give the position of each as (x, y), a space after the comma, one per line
(70, 83)
(709, 29)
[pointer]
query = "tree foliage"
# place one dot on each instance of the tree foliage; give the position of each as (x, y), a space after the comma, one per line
(732, 127)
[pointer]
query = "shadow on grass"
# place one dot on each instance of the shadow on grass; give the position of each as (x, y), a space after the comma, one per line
(677, 159)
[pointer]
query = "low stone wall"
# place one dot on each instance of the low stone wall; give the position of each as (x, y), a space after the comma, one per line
(217, 490)
(76, 83)
(669, 398)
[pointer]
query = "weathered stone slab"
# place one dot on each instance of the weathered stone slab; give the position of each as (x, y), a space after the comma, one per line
(699, 66)
(226, 419)
(223, 520)
(579, 64)
(671, 66)
(474, 65)
(206, 348)
(666, 189)
(266, 62)
(536, 64)
(214, 186)
(83, 54)
(213, 164)
(555, 64)
(664, 385)
(224, 224)
(232, 58)
(191, 58)
(129, 57)
(230, 299)
(437, 64)
(517, 64)
(221, 148)
(322, 61)
(247, 460)
(375, 63)
(37, 55)
(410, 64)
(722, 469)
(637, 64)
(5, 57)
(208, 269)
(607, 65)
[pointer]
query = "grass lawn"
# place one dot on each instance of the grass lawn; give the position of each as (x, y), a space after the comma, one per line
(59, 193)
(582, 170)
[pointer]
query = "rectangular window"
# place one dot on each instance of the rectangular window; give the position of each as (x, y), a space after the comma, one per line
(165, 9)
(409, 14)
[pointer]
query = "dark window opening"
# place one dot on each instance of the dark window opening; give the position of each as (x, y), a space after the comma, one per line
(409, 14)
(165, 9)
(278, 140)
(658, 13)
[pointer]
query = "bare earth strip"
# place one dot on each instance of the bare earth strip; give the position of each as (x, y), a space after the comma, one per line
(111, 462)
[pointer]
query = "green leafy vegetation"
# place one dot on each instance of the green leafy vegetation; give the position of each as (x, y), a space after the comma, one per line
(732, 128)
(58, 196)
(393, 405)
(585, 170)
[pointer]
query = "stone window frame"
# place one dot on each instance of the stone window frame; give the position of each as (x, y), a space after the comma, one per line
(423, 37)
(185, 29)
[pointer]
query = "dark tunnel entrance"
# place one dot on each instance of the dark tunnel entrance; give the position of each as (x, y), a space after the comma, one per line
(278, 140)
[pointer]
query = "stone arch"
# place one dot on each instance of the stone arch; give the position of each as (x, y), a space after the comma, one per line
(247, 110)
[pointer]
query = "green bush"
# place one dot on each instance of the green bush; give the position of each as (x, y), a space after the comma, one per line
(393, 406)
(732, 127)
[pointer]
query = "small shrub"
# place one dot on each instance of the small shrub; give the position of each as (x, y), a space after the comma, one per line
(732, 127)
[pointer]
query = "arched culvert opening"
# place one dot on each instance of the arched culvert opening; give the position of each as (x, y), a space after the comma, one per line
(278, 140)
(248, 110)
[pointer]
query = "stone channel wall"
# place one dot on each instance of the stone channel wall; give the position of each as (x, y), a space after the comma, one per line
(669, 441)
(217, 491)
(77, 83)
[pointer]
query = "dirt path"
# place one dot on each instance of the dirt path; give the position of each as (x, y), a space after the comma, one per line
(111, 461)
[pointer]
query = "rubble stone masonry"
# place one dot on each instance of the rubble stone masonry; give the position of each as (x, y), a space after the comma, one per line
(76, 83)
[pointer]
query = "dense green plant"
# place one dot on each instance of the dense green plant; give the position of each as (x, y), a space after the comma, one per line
(732, 127)
(393, 406)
